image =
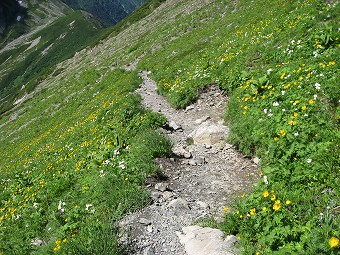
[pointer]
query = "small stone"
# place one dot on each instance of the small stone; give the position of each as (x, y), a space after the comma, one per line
(173, 125)
(201, 120)
(256, 160)
(37, 242)
(149, 228)
(144, 222)
(208, 146)
(187, 154)
(190, 107)
(149, 251)
(228, 146)
(201, 161)
(156, 196)
(179, 203)
(162, 186)
(192, 162)
(167, 195)
(202, 205)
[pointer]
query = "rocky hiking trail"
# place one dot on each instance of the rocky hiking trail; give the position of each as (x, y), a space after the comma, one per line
(206, 173)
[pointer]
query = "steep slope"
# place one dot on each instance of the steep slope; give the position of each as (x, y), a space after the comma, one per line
(109, 12)
(75, 157)
(54, 32)
(10, 12)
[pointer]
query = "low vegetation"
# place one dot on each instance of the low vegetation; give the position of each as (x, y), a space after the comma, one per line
(280, 69)
(75, 160)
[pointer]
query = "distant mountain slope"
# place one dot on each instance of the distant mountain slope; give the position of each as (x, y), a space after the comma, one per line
(10, 12)
(52, 32)
(109, 12)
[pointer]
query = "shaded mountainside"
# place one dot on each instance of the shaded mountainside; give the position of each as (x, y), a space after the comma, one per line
(10, 12)
(52, 32)
(108, 11)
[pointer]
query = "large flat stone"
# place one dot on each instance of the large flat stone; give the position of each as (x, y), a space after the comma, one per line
(209, 133)
(206, 241)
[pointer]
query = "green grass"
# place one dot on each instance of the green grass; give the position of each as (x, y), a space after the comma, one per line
(280, 70)
(277, 60)
(82, 173)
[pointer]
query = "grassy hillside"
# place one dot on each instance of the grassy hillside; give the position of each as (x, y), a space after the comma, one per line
(75, 156)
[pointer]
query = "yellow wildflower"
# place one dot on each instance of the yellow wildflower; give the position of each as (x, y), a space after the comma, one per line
(252, 211)
(288, 202)
(304, 108)
(311, 101)
(276, 139)
(277, 205)
(265, 194)
(264, 208)
(273, 197)
(333, 242)
(282, 132)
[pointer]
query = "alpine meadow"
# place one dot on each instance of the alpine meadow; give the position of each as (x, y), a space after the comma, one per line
(77, 146)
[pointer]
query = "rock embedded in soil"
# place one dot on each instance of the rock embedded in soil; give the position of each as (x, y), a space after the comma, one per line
(179, 203)
(209, 133)
(205, 241)
(162, 186)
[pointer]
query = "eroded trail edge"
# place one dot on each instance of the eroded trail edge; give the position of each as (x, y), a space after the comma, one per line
(199, 182)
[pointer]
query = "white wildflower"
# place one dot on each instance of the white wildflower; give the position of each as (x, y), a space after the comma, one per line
(265, 179)
(317, 86)
(296, 134)
(309, 160)
(269, 70)
(122, 164)
(87, 206)
(276, 104)
(283, 92)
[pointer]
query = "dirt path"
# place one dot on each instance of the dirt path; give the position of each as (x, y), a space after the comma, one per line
(198, 183)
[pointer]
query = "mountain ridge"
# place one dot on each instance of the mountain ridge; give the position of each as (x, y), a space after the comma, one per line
(109, 12)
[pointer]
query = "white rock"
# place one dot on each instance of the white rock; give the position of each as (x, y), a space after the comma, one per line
(205, 241)
(162, 186)
(256, 160)
(167, 195)
(209, 133)
(179, 203)
(175, 126)
(201, 120)
(202, 205)
(37, 242)
(144, 221)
